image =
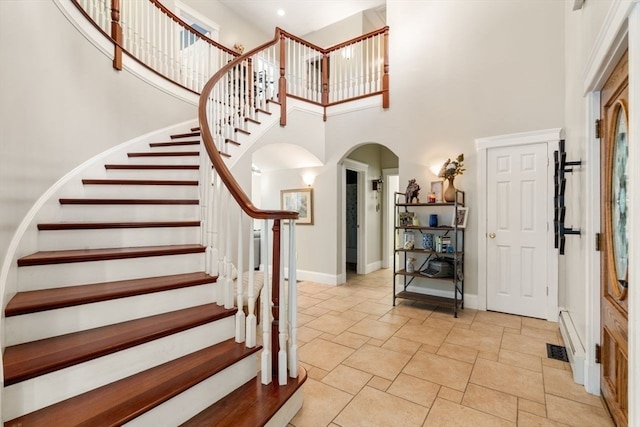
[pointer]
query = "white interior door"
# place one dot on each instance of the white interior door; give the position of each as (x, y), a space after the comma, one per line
(517, 241)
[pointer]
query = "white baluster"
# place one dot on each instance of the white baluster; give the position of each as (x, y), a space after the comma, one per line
(228, 290)
(251, 297)
(266, 365)
(212, 220)
(219, 244)
(240, 318)
(282, 319)
(293, 302)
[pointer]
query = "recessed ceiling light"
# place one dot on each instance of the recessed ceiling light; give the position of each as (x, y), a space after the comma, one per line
(280, 12)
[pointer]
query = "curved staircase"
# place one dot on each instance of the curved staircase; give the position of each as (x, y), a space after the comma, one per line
(116, 321)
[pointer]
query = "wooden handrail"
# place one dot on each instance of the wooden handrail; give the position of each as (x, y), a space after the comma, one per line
(374, 33)
(187, 27)
(225, 174)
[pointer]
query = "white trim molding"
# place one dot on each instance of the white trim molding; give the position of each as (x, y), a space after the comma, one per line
(548, 136)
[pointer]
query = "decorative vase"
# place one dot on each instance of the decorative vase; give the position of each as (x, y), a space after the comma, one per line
(427, 241)
(450, 192)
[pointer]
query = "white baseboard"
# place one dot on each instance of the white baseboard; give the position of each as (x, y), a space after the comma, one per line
(374, 266)
(575, 349)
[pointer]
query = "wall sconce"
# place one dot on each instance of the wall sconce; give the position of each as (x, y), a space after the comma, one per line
(308, 178)
(435, 168)
(376, 185)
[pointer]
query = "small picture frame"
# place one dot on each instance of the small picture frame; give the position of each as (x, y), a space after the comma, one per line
(406, 218)
(436, 188)
(460, 217)
(299, 200)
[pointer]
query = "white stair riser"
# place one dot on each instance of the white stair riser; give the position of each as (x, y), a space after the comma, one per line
(79, 273)
(36, 393)
(162, 149)
(152, 174)
(118, 213)
(287, 411)
(194, 400)
(141, 191)
(56, 240)
(51, 323)
(164, 160)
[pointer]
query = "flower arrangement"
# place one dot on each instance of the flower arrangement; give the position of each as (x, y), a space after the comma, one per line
(452, 168)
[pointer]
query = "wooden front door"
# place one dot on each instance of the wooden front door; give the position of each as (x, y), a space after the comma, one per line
(614, 257)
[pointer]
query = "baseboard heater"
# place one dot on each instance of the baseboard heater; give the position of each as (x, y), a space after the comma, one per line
(575, 349)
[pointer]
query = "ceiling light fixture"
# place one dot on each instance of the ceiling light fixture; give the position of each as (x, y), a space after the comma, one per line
(280, 12)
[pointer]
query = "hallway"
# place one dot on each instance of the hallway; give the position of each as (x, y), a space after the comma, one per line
(372, 364)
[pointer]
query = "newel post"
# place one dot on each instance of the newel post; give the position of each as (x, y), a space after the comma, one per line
(275, 296)
(282, 83)
(325, 84)
(385, 76)
(116, 34)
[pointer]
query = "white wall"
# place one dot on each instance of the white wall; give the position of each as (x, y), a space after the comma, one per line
(233, 29)
(498, 70)
(339, 32)
(61, 103)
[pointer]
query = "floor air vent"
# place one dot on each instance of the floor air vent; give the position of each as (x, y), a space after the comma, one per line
(557, 352)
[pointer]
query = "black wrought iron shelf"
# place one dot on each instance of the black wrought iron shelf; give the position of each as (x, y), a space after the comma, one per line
(424, 227)
(431, 252)
(429, 204)
(430, 299)
(415, 285)
(418, 274)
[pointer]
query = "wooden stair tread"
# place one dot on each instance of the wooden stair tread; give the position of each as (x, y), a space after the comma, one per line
(123, 400)
(260, 110)
(224, 154)
(114, 225)
(87, 201)
(49, 299)
(100, 181)
(249, 119)
(173, 143)
(246, 132)
(165, 154)
(151, 167)
(252, 404)
(32, 359)
(84, 255)
(185, 135)
(231, 141)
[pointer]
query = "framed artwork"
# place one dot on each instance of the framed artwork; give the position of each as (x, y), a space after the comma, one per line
(299, 200)
(460, 219)
(436, 188)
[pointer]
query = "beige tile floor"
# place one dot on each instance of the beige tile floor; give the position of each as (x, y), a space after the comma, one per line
(372, 364)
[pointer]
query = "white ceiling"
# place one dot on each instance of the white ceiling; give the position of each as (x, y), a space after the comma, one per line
(301, 16)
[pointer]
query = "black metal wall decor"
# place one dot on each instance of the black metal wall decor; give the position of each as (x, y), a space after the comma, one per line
(561, 167)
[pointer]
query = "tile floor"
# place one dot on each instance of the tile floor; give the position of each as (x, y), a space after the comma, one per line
(372, 364)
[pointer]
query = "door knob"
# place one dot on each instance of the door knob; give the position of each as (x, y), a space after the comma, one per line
(492, 235)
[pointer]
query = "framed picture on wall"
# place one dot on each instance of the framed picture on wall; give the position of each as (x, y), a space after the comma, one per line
(460, 218)
(436, 188)
(299, 200)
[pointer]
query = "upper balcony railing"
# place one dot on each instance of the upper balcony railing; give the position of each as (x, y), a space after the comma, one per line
(151, 34)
